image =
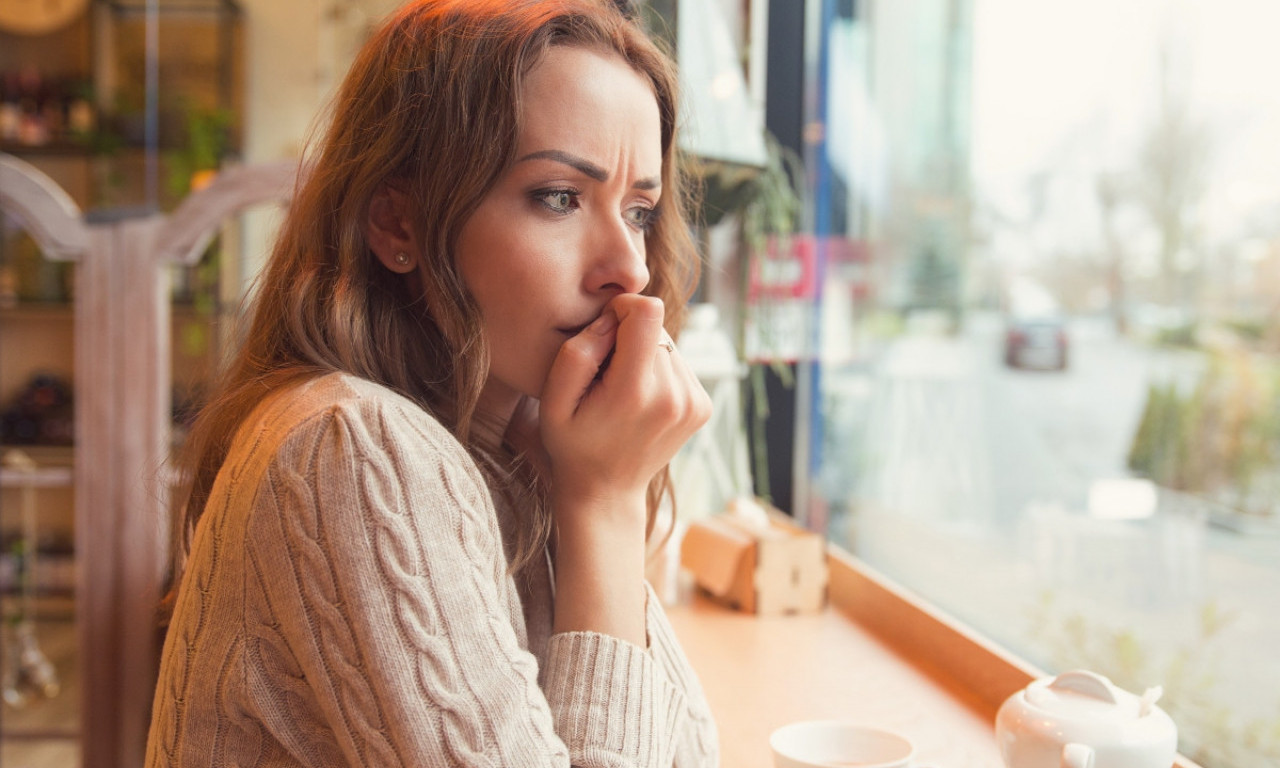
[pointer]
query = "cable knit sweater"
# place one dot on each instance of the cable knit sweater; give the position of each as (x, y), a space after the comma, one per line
(347, 601)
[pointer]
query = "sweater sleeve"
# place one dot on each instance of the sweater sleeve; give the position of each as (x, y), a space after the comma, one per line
(383, 615)
(695, 740)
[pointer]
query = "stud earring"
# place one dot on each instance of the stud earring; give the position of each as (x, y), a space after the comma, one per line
(401, 258)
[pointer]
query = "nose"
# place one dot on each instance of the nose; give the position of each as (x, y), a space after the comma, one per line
(619, 260)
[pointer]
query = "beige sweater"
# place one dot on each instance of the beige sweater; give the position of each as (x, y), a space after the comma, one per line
(347, 603)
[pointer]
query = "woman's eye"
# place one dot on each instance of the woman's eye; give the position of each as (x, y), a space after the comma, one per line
(558, 200)
(641, 218)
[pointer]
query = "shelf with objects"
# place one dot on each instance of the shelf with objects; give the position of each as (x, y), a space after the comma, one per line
(176, 78)
(38, 659)
(122, 109)
(125, 363)
(39, 235)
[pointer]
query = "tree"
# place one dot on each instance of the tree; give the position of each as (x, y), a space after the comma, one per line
(1109, 191)
(1172, 178)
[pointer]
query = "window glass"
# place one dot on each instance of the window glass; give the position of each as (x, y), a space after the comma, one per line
(1047, 367)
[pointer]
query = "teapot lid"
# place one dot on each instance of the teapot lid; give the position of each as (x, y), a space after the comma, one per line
(1081, 694)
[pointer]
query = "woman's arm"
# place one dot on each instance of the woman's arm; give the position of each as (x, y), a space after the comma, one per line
(606, 437)
(382, 574)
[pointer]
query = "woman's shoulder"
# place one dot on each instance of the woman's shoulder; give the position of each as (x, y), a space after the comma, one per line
(371, 418)
(351, 397)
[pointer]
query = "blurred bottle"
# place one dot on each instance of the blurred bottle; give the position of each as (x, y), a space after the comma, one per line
(51, 103)
(32, 128)
(10, 107)
(37, 279)
(81, 117)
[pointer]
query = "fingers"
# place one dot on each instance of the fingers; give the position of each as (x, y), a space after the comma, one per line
(693, 402)
(625, 335)
(577, 364)
(639, 331)
(648, 396)
(699, 400)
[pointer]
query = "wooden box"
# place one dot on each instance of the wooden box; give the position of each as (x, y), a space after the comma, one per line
(763, 564)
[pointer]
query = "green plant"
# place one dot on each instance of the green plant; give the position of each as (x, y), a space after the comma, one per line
(771, 214)
(1183, 335)
(774, 205)
(207, 139)
(1220, 440)
(1159, 445)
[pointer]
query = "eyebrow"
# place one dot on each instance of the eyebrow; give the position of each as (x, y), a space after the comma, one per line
(587, 167)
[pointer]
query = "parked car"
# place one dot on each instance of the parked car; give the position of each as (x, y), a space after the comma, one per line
(1037, 342)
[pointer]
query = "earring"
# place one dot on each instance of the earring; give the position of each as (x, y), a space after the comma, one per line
(401, 258)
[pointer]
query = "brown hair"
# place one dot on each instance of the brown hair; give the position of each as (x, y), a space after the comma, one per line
(430, 105)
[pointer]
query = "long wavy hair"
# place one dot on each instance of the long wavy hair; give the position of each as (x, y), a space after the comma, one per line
(430, 105)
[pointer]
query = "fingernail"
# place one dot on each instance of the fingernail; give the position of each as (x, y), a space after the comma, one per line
(604, 324)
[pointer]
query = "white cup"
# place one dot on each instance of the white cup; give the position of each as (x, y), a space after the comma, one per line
(837, 744)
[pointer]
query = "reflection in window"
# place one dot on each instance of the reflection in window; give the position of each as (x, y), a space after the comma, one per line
(1049, 356)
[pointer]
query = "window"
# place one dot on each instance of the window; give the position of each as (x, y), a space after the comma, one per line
(1046, 367)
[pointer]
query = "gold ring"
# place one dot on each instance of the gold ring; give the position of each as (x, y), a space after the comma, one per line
(668, 345)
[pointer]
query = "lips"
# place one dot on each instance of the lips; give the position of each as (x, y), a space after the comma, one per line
(576, 329)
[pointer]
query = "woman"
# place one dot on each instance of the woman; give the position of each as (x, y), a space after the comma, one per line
(415, 531)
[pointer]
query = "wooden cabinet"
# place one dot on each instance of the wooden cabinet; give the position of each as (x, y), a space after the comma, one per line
(37, 362)
(37, 487)
(123, 369)
(107, 286)
(44, 100)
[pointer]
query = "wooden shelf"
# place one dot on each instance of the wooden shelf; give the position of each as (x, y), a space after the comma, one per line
(38, 310)
(52, 149)
(65, 310)
(42, 477)
(45, 455)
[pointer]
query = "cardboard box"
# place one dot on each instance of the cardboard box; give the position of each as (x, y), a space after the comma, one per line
(758, 563)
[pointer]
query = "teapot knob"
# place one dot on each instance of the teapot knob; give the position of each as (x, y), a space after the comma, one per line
(1087, 683)
(1077, 756)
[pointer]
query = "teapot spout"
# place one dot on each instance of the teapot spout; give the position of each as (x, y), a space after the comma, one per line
(1149, 699)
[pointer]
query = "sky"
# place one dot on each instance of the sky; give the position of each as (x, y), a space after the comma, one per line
(1071, 85)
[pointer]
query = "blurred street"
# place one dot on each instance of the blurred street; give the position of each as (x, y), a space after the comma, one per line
(950, 458)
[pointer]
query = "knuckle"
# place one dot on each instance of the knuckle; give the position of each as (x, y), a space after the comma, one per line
(586, 347)
(647, 307)
(702, 407)
(669, 410)
(576, 352)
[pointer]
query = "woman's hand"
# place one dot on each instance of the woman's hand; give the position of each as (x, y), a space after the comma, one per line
(606, 435)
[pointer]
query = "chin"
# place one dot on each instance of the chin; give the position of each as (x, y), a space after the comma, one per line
(532, 385)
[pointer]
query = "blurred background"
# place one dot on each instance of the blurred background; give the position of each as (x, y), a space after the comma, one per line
(1043, 358)
(992, 299)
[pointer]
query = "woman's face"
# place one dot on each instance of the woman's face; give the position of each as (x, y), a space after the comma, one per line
(563, 230)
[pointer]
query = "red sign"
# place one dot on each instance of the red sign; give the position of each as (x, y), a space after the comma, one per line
(792, 273)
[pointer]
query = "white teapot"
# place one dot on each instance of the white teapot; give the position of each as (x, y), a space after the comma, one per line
(1079, 719)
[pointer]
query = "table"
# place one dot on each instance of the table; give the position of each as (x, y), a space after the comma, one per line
(760, 673)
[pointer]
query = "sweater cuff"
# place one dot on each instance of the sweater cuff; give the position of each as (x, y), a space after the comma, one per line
(610, 704)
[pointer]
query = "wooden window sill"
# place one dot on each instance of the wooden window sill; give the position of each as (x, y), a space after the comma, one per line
(877, 655)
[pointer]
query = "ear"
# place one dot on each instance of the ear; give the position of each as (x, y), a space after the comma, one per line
(389, 231)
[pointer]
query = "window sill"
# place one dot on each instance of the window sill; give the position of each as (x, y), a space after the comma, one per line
(878, 655)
